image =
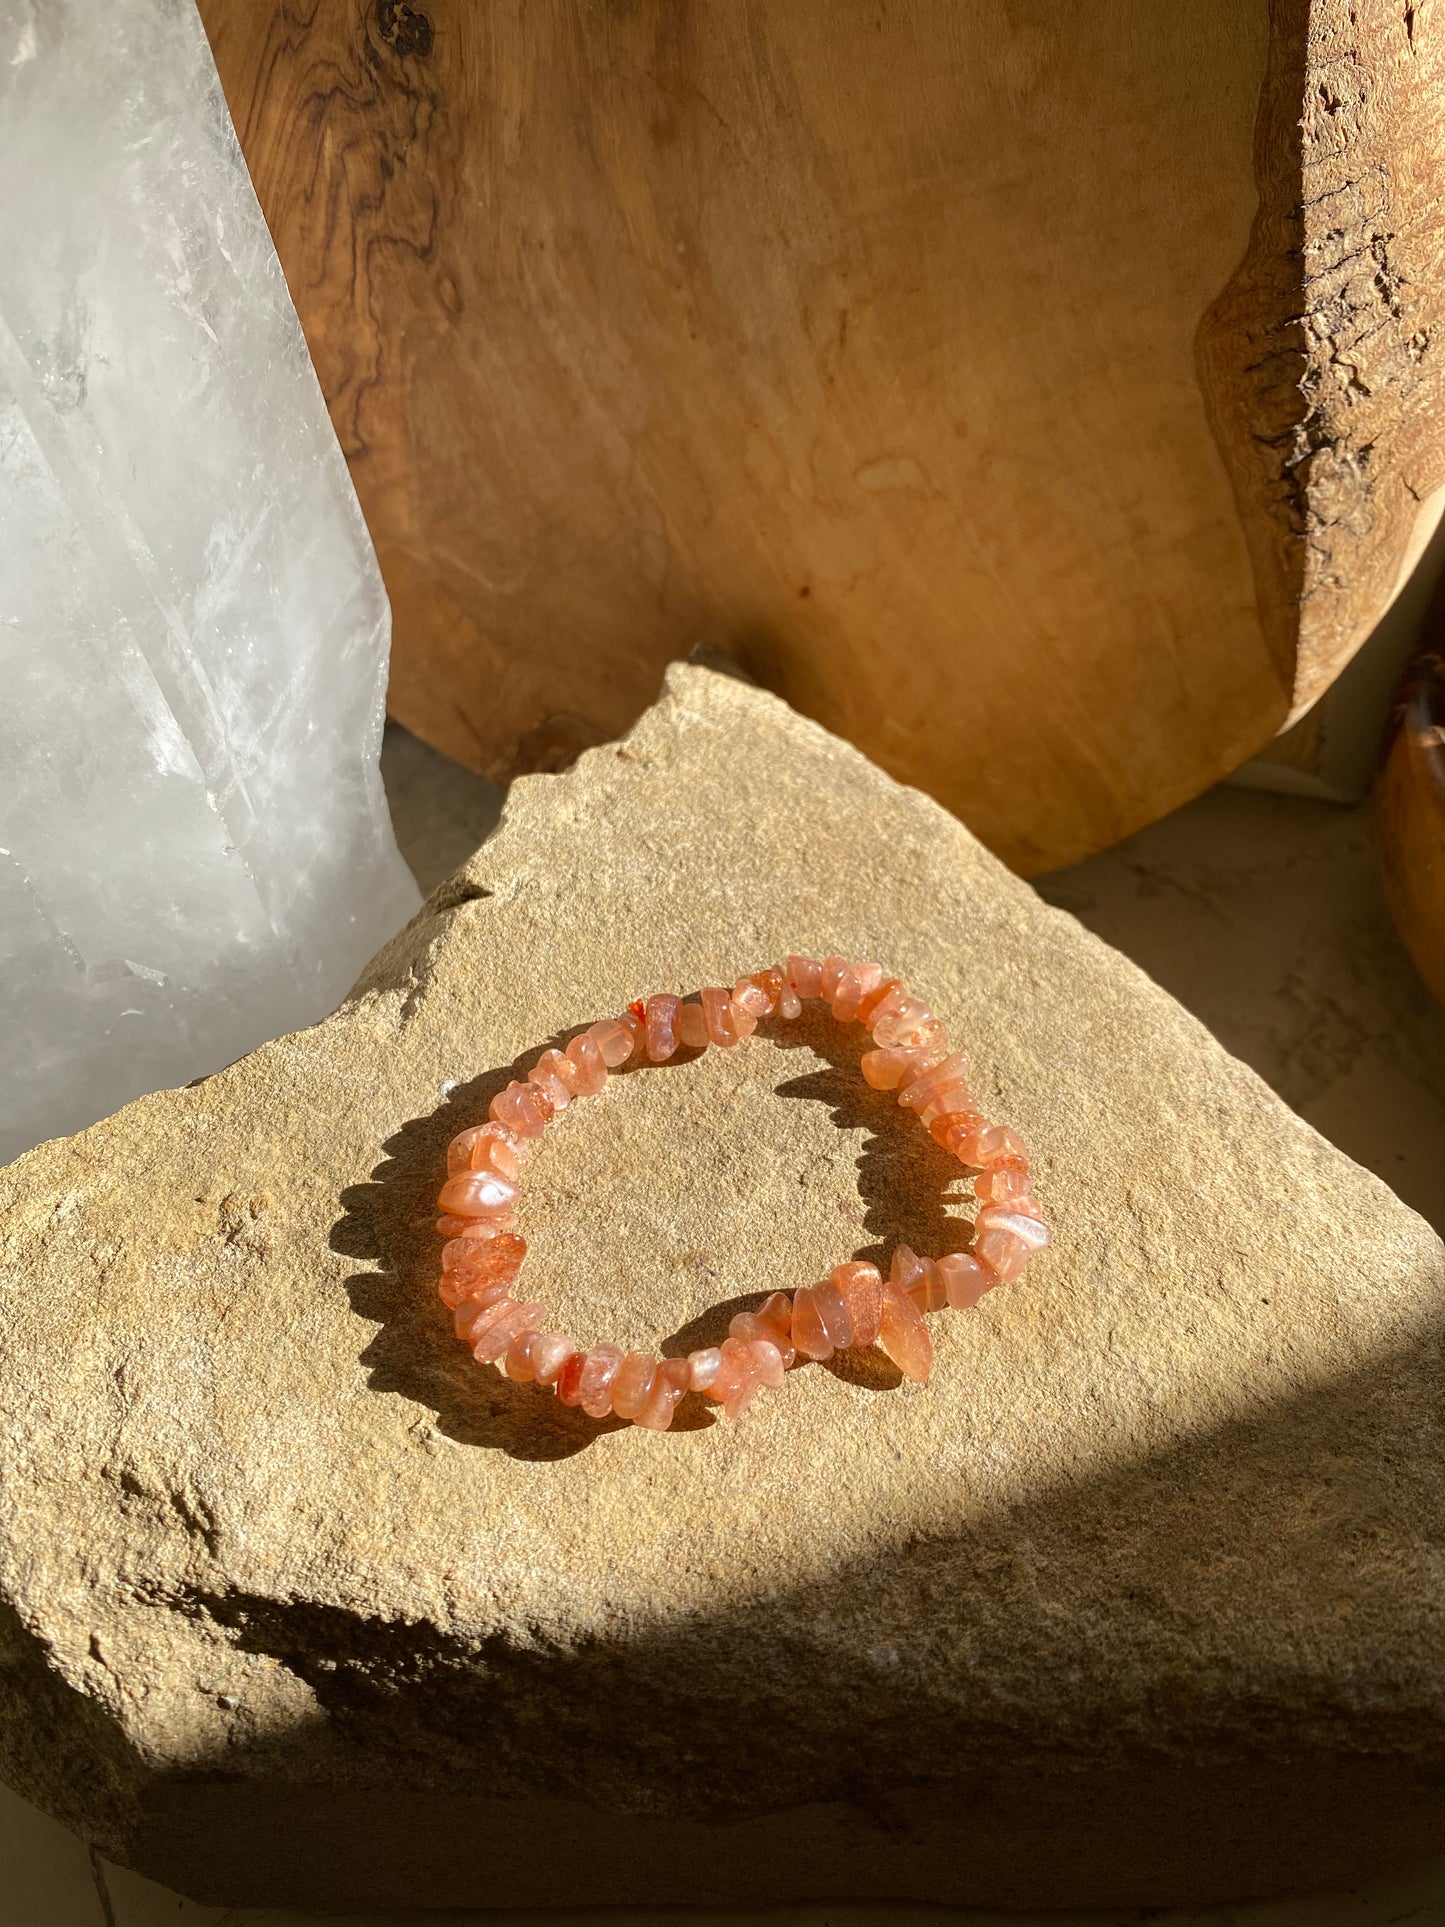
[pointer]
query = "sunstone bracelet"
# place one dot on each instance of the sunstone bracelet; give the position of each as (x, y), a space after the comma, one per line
(855, 1306)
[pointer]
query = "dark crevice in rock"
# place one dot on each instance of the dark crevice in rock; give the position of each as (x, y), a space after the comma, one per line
(456, 891)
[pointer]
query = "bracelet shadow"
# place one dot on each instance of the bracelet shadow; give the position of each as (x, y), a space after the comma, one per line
(904, 1181)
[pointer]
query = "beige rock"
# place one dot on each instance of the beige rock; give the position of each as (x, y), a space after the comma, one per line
(1140, 1600)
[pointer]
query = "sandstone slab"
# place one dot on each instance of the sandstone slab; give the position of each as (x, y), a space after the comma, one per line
(1139, 1600)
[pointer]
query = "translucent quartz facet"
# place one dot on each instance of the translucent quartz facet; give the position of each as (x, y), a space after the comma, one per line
(771, 1323)
(740, 1374)
(750, 995)
(1006, 1236)
(480, 1232)
(465, 1282)
(477, 1314)
(843, 1004)
(1003, 1183)
(904, 1336)
(668, 1386)
(904, 1022)
(862, 1290)
(771, 982)
(955, 1130)
(832, 1310)
(875, 998)
(1024, 1207)
(768, 1363)
(1002, 1254)
(517, 1108)
(478, 1255)
(803, 974)
(561, 1067)
(1017, 1221)
(569, 1379)
(459, 1151)
(776, 1313)
(633, 1384)
(703, 1367)
(557, 1093)
(613, 1038)
(950, 1074)
(747, 1324)
(919, 1278)
(992, 1144)
(661, 1034)
(718, 1015)
(598, 1371)
(489, 1344)
(743, 1021)
(853, 987)
(832, 974)
(195, 852)
(451, 1227)
(590, 1065)
(692, 1026)
(965, 1279)
(550, 1352)
(725, 1020)
(477, 1194)
(517, 1363)
(484, 1148)
(470, 1308)
(483, 1257)
(884, 1069)
(810, 1334)
(885, 1006)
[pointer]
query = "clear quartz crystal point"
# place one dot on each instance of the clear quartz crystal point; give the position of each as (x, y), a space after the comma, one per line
(195, 850)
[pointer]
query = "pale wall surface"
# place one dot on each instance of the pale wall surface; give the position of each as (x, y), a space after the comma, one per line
(1264, 916)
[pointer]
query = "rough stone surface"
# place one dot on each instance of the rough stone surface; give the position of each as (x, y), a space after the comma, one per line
(1139, 1600)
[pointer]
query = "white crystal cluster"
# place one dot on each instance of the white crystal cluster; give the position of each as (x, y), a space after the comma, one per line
(195, 851)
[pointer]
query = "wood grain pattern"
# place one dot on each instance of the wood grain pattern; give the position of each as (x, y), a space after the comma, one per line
(1321, 360)
(1018, 390)
(1410, 814)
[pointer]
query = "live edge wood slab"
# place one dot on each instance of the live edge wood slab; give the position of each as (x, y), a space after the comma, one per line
(1044, 398)
(1410, 810)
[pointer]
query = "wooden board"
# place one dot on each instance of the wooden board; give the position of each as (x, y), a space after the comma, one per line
(1410, 813)
(1333, 751)
(1041, 397)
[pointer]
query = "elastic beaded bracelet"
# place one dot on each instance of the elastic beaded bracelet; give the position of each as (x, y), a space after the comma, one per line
(854, 1306)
